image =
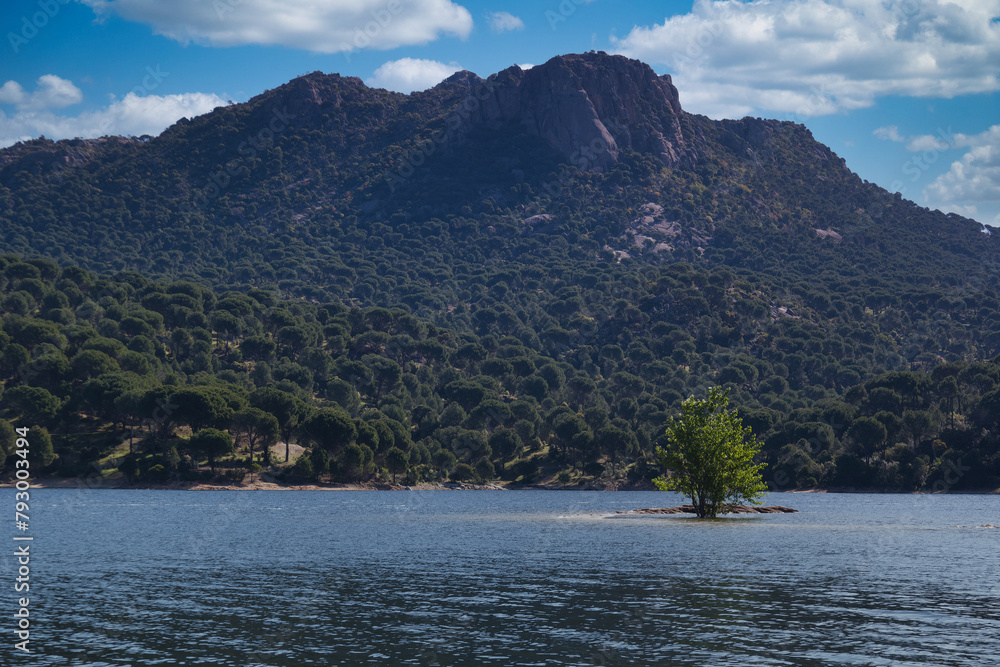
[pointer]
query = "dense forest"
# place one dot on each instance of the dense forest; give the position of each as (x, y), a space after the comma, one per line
(412, 291)
(159, 379)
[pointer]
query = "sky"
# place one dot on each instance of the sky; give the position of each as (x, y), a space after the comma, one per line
(907, 91)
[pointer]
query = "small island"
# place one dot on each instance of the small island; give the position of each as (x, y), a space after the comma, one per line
(729, 509)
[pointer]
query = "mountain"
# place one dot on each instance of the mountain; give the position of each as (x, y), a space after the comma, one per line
(573, 215)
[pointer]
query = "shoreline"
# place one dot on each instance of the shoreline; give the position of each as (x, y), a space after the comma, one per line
(95, 483)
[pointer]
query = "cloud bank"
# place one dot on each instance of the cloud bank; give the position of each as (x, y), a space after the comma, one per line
(973, 181)
(131, 115)
(52, 92)
(322, 26)
(409, 74)
(814, 57)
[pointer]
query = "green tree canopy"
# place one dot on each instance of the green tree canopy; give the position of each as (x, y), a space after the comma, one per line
(354, 459)
(202, 407)
(286, 408)
(868, 433)
(8, 438)
(256, 427)
(212, 444)
(330, 428)
(710, 456)
(40, 452)
(396, 461)
(34, 403)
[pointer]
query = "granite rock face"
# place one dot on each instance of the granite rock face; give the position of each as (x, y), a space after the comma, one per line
(589, 107)
(44, 158)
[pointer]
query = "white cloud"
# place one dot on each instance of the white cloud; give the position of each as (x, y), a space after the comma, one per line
(889, 133)
(974, 179)
(409, 74)
(323, 26)
(971, 186)
(526, 66)
(926, 142)
(941, 141)
(966, 211)
(813, 57)
(132, 115)
(52, 92)
(11, 93)
(504, 21)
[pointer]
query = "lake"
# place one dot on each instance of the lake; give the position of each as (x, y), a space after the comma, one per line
(127, 577)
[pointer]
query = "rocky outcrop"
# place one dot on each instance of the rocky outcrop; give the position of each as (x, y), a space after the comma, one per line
(312, 95)
(828, 234)
(45, 158)
(755, 132)
(590, 107)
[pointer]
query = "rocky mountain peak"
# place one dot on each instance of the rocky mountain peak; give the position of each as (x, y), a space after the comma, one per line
(464, 78)
(590, 107)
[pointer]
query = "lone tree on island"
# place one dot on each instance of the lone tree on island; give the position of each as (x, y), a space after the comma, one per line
(710, 456)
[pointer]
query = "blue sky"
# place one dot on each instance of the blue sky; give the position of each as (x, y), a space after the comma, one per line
(907, 91)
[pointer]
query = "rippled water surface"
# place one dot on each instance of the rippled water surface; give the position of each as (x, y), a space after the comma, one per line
(506, 578)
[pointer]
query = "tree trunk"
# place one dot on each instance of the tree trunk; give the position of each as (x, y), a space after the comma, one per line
(699, 506)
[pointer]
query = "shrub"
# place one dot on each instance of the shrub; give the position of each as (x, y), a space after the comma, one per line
(463, 472)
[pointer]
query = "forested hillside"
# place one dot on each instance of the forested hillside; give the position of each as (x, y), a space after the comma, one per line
(186, 375)
(405, 284)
